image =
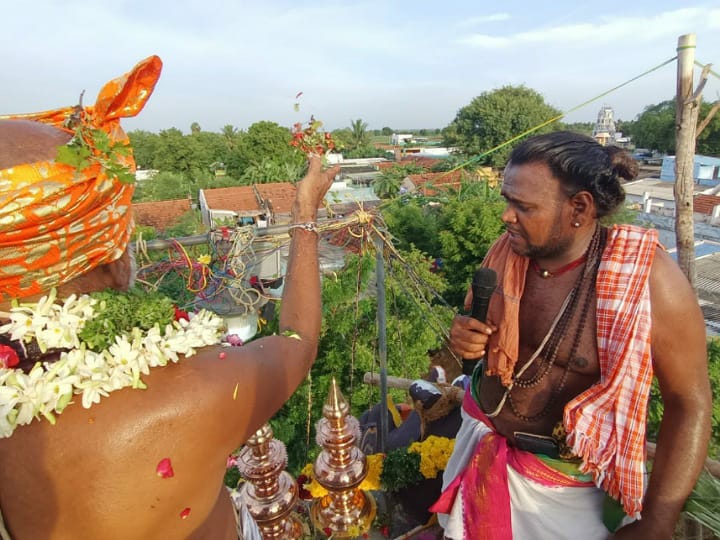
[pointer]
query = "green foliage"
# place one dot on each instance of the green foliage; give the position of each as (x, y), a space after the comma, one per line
(387, 184)
(655, 406)
(348, 342)
(654, 128)
(703, 504)
(401, 469)
(89, 146)
(469, 224)
(165, 186)
(119, 312)
(263, 141)
(413, 223)
(359, 135)
(495, 117)
(190, 223)
(269, 170)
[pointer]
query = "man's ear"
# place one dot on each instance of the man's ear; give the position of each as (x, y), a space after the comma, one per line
(583, 206)
(122, 271)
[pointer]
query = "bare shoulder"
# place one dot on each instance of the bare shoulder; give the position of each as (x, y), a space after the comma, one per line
(670, 290)
(675, 311)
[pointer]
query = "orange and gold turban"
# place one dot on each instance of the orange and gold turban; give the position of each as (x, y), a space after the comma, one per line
(58, 222)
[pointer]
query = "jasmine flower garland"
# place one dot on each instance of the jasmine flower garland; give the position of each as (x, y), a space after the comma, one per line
(49, 387)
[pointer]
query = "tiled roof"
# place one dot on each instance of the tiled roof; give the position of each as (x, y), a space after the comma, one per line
(243, 200)
(704, 204)
(160, 214)
(438, 179)
(423, 161)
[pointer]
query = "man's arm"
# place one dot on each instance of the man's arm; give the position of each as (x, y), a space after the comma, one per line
(253, 381)
(679, 350)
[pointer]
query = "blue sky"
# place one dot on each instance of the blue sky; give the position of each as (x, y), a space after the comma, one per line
(392, 63)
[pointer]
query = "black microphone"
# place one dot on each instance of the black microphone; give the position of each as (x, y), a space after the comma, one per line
(483, 285)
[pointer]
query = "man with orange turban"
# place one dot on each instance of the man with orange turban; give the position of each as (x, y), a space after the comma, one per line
(134, 465)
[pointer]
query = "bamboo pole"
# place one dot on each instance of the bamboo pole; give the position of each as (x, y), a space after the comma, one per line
(686, 116)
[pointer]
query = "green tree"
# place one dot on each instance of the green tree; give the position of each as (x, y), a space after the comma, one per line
(413, 223)
(360, 136)
(654, 128)
(230, 135)
(495, 117)
(387, 131)
(268, 171)
(165, 186)
(348, 342)
(263, 141)
(387, 184)
(144, 145)
(195, 128)
(469, 223)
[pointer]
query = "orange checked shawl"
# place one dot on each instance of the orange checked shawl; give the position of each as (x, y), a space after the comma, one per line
(606, 423)
(57, 222)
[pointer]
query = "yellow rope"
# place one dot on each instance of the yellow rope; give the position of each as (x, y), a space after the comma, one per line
(558, 117)
(710, 71)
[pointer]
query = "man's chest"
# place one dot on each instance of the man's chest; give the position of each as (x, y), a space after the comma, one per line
(558, 324)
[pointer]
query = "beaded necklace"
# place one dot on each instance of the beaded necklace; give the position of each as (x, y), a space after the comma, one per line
(548, 349)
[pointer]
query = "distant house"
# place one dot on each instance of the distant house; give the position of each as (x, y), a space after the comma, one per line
(706, 170)
(160, 214)
(430, 183)
(401, 138)
(145, 174)
(259, 204)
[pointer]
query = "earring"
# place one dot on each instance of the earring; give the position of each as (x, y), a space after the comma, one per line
(576, 224)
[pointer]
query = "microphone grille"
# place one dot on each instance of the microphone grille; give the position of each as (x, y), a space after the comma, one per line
(485, 277)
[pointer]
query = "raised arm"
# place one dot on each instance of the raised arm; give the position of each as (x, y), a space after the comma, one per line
(680, 363)
(254, 381)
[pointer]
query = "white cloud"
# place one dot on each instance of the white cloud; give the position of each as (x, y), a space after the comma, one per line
(482, 19)
(608, 30)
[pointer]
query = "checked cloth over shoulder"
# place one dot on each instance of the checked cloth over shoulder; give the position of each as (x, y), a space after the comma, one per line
(606, 423)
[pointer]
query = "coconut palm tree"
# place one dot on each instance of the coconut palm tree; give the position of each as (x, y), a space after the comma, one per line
(360, 136)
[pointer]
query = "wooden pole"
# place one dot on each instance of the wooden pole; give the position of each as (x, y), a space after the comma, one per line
(382, 342)
(686, 116)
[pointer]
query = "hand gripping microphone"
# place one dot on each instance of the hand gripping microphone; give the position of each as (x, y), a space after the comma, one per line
(483, 285)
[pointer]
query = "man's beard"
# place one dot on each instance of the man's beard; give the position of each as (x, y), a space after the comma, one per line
(554, 246)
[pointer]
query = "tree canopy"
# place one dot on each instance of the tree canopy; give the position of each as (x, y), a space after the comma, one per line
(654, 129)
(495, 117)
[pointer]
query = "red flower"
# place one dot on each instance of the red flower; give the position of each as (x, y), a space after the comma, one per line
(164, 468)
(180, 314)
(8, 357)
(385, 530)
(327, 531)
(185, 513)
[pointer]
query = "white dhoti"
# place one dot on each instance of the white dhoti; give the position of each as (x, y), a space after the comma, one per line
(543, 503)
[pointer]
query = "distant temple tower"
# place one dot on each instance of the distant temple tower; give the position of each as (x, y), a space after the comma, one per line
(604, 129)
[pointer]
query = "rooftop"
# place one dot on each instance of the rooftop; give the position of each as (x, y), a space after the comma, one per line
(160, 214)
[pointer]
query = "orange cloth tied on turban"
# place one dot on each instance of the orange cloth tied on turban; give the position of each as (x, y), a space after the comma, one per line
(58, 222)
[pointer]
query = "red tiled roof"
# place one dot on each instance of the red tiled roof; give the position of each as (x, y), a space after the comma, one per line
(439, 179)
(423, 161)
(279, 195)
(704, 204)
(160, 214)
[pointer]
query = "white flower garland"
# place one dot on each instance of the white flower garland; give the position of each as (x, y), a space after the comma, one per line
(49, 386)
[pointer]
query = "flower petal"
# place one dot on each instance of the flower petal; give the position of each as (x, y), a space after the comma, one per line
(164, 469)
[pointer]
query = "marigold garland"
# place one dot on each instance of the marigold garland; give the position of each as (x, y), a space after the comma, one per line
(434, 454)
